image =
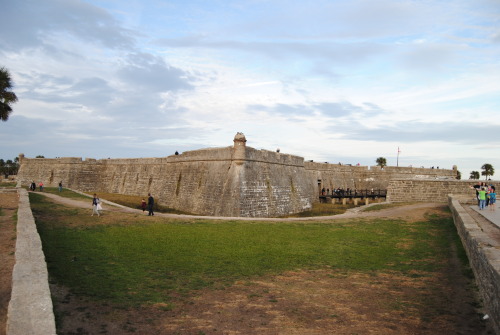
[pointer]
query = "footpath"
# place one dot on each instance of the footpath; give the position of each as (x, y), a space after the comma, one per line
(394, 212)
(491, 215)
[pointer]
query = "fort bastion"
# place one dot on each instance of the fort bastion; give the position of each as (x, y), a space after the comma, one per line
(234, 181)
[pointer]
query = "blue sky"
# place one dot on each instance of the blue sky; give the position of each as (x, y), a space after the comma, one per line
(336, 81)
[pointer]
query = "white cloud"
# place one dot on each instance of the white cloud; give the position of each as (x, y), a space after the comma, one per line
(327, 80)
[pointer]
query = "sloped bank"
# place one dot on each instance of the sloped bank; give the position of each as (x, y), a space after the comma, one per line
(484, 258)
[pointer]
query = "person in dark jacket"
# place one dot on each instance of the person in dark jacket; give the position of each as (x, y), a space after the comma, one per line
(151, 202)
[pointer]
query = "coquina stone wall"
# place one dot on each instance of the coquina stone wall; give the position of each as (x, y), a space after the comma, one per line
(237, 181)
(332, 176)
(234, 181)
(484, 259)
(431, 190)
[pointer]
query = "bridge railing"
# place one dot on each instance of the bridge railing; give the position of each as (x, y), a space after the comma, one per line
(354, 194)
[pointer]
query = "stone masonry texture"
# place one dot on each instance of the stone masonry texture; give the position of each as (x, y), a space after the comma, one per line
(484, 259)
(235, 181)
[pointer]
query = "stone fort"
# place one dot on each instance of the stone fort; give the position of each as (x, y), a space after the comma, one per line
(233, 181)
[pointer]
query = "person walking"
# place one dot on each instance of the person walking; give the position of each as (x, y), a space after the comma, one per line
(151, 202)
(96, 205)
(143, 205)
(60, 186)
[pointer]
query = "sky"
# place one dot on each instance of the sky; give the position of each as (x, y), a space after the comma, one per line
(414, 81)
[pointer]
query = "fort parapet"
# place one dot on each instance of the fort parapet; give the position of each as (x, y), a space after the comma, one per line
(234, 181)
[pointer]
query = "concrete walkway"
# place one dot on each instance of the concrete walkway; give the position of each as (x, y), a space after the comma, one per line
(492, 215)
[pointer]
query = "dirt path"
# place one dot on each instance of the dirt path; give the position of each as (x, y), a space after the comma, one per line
(407, 212)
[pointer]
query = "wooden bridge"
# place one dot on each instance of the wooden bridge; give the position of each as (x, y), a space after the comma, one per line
(351, 195)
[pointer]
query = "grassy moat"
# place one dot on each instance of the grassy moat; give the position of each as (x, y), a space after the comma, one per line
(105, 268)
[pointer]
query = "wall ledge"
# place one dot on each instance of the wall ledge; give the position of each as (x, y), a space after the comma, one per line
(483, 252)
(30, 308)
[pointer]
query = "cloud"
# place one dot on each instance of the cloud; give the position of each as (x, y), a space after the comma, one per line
(89, 91)
(279, 50)
(41, 23)
(146, 72)
(324, 110)
(429, 56)
(418, 131)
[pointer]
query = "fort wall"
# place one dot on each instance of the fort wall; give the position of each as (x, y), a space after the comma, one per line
(332, 176)
(30, 308)
(484, 258)
(234, 181)
(430, 190)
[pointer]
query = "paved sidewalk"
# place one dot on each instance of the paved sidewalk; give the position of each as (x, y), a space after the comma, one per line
(491, 215)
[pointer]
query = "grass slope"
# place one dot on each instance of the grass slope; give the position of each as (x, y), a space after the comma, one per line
(133, 260)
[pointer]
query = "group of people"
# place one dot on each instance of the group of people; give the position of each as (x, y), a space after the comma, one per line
(347, 192)
(486, 196)
(33, 186)
(96, 205)
(150, 205)
(40, 185)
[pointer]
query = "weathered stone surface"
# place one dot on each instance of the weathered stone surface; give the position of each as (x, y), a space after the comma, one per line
(484, 258)
(237, 181)
(30, 307)
(430, 190)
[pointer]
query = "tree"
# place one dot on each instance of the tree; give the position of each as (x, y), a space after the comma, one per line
(7, 97)
(474, 175)
(488, 170)
(381, 161)
(9, 167)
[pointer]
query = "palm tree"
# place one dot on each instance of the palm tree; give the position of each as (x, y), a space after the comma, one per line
(6, 96)
(381, 161)
(488, 170)
(474, 175)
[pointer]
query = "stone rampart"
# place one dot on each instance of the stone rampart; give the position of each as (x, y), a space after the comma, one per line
(484, 259)
(30, 307)
(332, 176)
(237, 181)
(430, 190)
(217, 182)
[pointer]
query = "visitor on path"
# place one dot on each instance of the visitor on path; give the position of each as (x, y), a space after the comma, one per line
(482, 197)
(493, 198)
(477, 188)
(143, 205)
(33, 186)
(60, 186)
(41, 186)
(96, 205)
(151, 202)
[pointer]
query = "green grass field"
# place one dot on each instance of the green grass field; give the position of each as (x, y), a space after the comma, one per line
(131, 259)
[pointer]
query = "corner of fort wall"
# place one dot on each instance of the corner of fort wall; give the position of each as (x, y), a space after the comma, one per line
(258, 183)
(234, 181)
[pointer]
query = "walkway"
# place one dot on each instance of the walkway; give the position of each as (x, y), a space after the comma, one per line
(492, 216)
(394, 212)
